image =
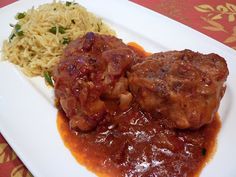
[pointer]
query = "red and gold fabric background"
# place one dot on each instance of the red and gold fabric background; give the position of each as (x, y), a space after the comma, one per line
(215, 18)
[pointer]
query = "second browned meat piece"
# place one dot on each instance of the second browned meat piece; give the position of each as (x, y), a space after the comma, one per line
(184, 88)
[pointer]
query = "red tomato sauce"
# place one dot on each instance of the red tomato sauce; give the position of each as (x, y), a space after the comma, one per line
(137, 144)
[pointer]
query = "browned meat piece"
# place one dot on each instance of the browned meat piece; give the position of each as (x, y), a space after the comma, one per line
(90, 74)
(182, 87)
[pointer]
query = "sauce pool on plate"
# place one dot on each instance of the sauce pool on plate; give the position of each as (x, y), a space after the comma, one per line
(140, 146)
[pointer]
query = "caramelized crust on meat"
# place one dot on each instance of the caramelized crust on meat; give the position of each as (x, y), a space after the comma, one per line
(184, 88)
(99, 75)
(91, 72)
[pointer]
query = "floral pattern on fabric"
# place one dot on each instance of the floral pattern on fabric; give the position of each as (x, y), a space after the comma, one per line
(216, 19)
(215, 15)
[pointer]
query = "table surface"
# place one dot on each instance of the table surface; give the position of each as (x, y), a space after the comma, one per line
(215, 18)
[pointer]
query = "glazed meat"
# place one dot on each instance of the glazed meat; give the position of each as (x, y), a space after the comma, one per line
(183, 88)
(90, 76)
(99, 75)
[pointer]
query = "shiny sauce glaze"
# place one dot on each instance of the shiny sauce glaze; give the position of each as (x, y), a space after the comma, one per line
(134, 143)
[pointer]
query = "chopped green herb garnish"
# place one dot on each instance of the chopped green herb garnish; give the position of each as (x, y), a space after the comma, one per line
(68, 3)
(12, 36)
(20, 15)
(204, 151)
(55, 9)
(48, 78)
(65, 41)
(73, 21)
(20, 33)
(53, 30)
(17, 27)
(61, 30)
(18, 30)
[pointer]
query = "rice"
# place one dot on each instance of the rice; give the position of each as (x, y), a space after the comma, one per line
(40, 35)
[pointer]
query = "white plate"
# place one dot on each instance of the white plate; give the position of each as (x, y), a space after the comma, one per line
(27, 114)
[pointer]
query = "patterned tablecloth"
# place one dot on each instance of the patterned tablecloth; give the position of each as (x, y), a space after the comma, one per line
(215, 18)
